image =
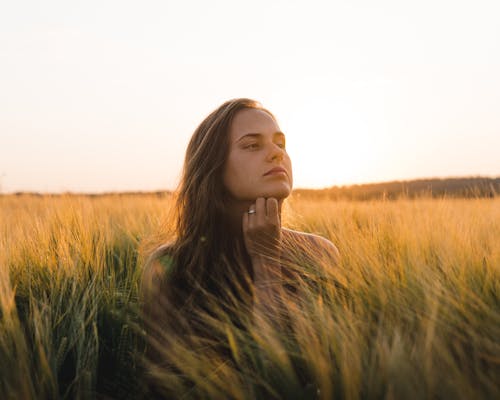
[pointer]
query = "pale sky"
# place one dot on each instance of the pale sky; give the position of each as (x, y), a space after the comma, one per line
(104, 95)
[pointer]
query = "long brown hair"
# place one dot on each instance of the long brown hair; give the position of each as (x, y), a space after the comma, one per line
(206, 256)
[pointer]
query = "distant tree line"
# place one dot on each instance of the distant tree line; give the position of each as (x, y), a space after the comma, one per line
(472, 187)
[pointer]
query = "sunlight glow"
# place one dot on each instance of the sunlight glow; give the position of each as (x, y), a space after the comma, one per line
(365, 92)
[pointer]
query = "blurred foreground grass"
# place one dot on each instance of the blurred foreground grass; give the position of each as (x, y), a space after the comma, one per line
(421, 318)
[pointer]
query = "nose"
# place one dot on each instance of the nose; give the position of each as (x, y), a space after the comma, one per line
(276, 152)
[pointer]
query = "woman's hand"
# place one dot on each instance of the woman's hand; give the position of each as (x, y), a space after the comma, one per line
(262, 235)
(262, 229)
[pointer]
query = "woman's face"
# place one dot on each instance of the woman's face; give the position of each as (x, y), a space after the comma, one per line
(257, 146)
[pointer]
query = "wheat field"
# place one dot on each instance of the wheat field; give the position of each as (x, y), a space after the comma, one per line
(418, 318)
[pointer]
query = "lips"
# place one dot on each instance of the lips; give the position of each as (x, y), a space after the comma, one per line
(275, 171)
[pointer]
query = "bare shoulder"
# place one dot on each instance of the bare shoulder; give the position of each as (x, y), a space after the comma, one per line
(154, 269)
(323, 247)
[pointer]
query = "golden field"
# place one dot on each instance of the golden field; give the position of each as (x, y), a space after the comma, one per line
(418, 315)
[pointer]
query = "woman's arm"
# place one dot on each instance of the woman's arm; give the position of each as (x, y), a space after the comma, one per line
(268, 287)
(154, 302)
(262, 235)
(151, 289)
(326, 251)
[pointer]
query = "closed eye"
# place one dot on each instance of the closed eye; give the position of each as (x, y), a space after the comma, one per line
(255, 146)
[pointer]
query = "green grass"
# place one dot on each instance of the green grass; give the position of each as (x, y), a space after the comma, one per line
(412, 311)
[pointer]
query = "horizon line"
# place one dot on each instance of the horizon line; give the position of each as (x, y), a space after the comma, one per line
(170, 191)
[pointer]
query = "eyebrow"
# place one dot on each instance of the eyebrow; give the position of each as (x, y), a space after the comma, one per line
(259, 134)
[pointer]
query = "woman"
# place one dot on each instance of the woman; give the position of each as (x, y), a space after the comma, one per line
(229, 250)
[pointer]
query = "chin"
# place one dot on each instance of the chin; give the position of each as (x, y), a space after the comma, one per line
(278, 193)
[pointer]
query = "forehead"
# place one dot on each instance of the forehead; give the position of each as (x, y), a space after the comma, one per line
(252, 121)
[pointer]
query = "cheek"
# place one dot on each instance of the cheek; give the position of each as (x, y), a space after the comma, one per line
(228, 176)
(238, 166)
(233, 174)
(289, 162)
(239, 177)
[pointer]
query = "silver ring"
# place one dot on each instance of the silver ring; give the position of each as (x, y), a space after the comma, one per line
(251, 211)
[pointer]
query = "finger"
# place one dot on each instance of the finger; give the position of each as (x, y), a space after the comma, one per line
(260, 207)
(251, 217)
(245, 223)
(272, 211)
